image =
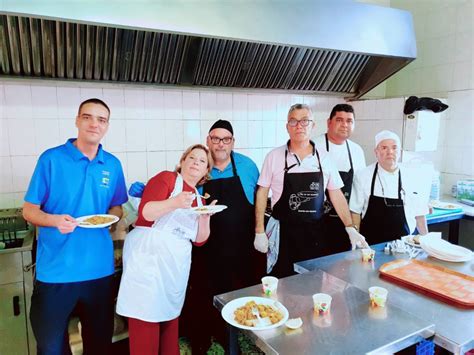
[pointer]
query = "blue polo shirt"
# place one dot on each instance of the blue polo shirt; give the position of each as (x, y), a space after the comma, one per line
(247, 171)
(66, 182)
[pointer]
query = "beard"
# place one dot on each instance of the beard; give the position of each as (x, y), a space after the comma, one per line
(220, 155)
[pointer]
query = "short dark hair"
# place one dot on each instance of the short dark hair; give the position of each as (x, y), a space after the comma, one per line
(341, 107)
(93, 101)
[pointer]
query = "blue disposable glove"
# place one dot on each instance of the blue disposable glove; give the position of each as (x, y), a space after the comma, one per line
(136, 190)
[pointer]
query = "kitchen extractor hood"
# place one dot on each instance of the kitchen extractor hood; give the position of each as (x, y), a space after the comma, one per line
(338, 47)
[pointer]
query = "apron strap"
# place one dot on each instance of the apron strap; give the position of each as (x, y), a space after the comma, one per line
(315, 152)
(373, 179)
(234, 168)
(400, 185)
(350, 156)
(400, 188)
(178, 188)
(348, 150)
(286, 162)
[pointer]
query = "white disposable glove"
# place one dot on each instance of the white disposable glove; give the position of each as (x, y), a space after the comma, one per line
(357, 239)
(261, 242)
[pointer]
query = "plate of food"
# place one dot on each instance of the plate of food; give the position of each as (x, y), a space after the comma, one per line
(242, 313)
(445, 205)
(209, 209)
(97, 220)
(412, 240)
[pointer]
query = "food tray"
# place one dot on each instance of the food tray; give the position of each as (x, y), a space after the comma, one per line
(435, 281)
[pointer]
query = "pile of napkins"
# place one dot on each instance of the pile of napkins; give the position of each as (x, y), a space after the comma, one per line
(444, 250)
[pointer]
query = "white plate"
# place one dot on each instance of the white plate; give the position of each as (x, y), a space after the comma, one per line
(229, 308)
(408, 239)
(444, 250)
(445, 205)
(103, 225)
(209, 209)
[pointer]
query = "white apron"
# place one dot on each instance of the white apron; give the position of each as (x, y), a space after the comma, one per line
(156, 264)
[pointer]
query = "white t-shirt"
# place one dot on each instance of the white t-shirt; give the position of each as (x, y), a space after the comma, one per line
(414, 204)
(273, 171)
(339, 155)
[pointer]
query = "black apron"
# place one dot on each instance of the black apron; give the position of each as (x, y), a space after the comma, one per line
(299, 210)
(385, 217)
(337, 238)
(226, 262)
(229, 249)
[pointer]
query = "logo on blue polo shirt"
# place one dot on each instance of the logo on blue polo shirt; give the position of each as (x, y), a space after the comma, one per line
(105, 179)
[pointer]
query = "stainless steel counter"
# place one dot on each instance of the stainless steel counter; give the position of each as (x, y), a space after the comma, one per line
(454, 326)
(351, 327)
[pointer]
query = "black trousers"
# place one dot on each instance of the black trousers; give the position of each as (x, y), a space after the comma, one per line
(52, 305)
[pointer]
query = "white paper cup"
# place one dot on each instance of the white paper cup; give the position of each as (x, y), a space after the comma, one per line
(378, 312)
(378, 296)
(322, 303)
(322, 321)
(269, 285)
(368, 254)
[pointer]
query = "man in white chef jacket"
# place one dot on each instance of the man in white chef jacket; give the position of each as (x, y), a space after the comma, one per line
(385, 202)
(348, 157)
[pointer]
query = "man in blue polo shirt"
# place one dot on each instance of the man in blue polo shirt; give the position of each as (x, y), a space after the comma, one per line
(74, 265)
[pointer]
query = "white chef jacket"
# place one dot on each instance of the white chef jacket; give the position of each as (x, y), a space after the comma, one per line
(414, 204)
(338, 153)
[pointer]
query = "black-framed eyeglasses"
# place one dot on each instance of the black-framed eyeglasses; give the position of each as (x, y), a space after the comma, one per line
(292, 122)
(217, 140)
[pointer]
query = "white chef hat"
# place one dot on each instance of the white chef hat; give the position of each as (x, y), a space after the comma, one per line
(385, 134)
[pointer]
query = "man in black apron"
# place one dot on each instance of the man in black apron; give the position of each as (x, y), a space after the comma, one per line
(228, 260)
(383, 203)
(296, 174)
(347, 156)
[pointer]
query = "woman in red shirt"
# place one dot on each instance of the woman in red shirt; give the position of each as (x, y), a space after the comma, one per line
(157, 254)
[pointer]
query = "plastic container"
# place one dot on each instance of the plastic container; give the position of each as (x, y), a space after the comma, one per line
(465, 189)
(435, 186)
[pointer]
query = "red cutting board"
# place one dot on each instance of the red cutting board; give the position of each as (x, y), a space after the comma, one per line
(435, 281)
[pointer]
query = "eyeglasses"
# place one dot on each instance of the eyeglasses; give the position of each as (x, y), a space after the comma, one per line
(225, 140)
(292, 122)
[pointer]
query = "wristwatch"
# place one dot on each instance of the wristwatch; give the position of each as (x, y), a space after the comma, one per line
(353, 226)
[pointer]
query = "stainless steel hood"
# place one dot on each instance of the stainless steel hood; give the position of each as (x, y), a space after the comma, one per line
(329, 46)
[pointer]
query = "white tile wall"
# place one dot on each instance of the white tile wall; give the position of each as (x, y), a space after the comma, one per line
(115, 99)
(2, 101)
(18, 101)
(44, 102)
(151, 127)
(6, 175)
(154, 104)
(458, 144)
(134, 104)
(224, 106)
(4, 140)
(444, 68)
(68, 98)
